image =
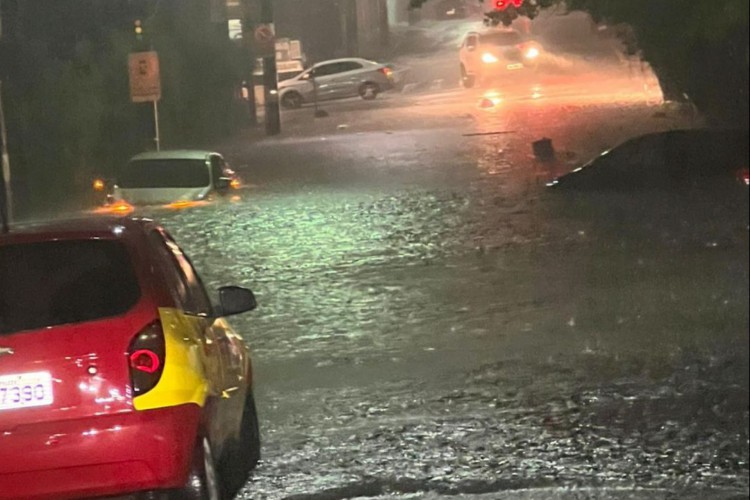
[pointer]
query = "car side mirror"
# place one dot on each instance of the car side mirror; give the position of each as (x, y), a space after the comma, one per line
(236, 300)
(223, 183)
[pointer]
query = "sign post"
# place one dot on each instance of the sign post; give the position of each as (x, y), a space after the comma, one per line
(265, 40)
(6, 197)
(145, 83)
(265, 44)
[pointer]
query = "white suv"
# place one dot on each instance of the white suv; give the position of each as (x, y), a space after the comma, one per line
(496, 54)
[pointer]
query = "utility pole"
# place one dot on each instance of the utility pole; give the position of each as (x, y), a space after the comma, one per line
(249, 87)
(270, 78)
(6, 207)
(250, 15)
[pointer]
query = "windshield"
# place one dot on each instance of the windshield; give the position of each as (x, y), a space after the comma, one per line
(502, 39)
(164, 174)
(54, 283)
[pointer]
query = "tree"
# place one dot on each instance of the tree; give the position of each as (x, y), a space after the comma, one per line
(698, 49)
(64, 66)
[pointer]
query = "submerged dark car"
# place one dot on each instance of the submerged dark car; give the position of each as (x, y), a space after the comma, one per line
(676, 159)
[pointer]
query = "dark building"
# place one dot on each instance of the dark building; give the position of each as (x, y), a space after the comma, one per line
(334, 28)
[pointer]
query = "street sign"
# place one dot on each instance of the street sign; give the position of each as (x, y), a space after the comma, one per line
(264, 39)
(145, 80)
(295, 49)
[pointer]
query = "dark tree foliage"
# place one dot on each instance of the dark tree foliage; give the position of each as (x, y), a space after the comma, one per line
(697, 48)
(66, 91)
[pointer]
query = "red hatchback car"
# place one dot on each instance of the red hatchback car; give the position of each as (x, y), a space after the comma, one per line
(117, 374)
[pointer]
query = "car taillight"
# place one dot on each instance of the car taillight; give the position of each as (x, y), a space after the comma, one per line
(146, 358)
(387, 71)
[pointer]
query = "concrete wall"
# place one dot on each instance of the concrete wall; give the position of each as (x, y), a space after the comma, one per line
(372, 27)
(316, 23)
(398, 12)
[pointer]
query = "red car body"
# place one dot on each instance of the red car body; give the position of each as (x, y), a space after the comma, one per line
(73, 423)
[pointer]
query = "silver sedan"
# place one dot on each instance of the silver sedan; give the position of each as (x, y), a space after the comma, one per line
(336, 79)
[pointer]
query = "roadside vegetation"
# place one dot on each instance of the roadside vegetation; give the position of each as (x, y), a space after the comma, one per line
(64, 66)
(698, 50)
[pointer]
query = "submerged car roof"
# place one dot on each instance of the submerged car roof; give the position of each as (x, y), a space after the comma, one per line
(175, 154)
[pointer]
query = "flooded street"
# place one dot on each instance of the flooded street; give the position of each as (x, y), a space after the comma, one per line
(455, 250)
(433, 322)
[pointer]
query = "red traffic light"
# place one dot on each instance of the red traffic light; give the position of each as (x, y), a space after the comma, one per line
(504, 4)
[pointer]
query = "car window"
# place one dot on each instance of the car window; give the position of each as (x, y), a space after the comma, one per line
(97, 281)
(170, 271)
(471, 42)
(197, 301)
(349, 66)
(327, 69)
(502, 38)
(164, 173)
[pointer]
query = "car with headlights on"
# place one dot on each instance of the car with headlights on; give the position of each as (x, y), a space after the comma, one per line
(337, 79)
(170, 176)
(496, 55)
(118, 374)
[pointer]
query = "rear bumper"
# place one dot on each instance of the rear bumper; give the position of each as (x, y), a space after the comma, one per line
(99, 456)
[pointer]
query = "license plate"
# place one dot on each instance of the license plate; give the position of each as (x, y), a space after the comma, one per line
(515, 66)
(25, 390)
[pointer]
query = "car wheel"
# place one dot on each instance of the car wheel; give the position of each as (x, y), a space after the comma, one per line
(291, 100)
(468, 81)
(203, 480)
(369, 91)
(244, 454)
(250, 433)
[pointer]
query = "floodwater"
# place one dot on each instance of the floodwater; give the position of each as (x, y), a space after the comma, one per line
(433, 322)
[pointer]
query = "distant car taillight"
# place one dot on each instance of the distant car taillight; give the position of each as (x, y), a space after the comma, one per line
(146, 358)
(387, 71)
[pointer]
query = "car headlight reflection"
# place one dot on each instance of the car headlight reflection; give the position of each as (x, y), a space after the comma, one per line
(488, 58)
(532, 53)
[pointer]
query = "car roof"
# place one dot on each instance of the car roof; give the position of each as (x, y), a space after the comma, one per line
(493, 31)
(91, 227)
(346, 59)
(175, 154)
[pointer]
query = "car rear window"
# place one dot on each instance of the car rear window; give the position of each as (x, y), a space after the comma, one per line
(167, 173)
(61, 282)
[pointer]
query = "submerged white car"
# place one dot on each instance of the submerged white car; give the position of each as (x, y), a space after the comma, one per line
(336, 79)
(163, 177)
